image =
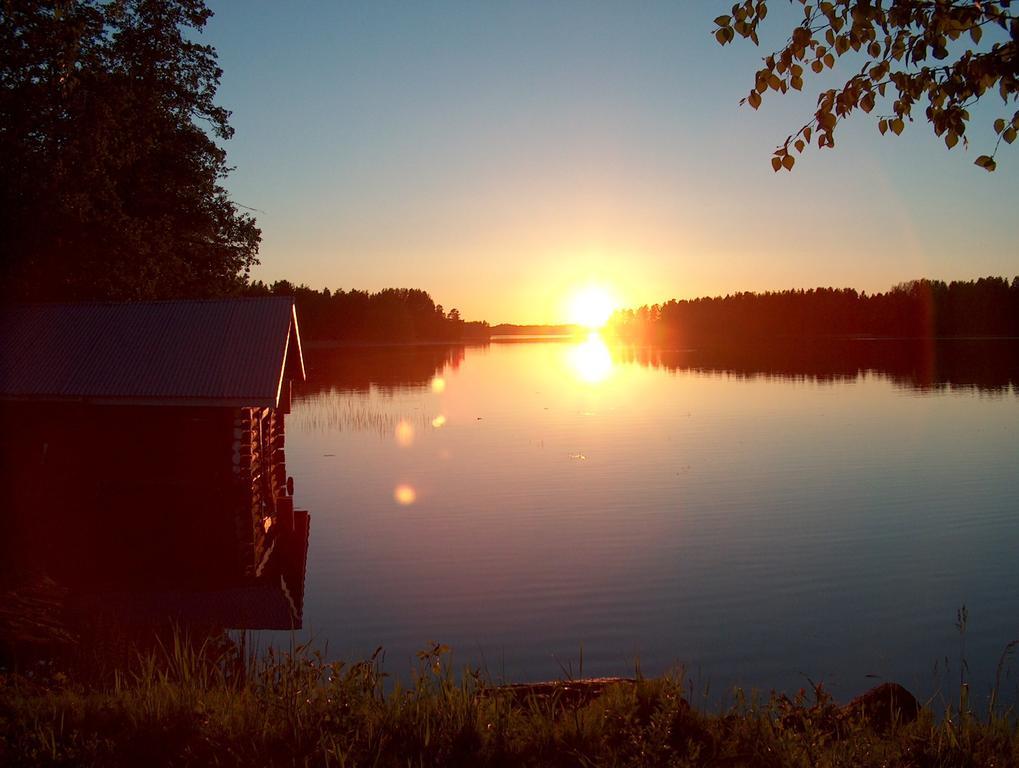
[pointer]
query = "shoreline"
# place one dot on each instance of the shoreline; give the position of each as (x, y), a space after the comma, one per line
(706, 343)
(182, 705)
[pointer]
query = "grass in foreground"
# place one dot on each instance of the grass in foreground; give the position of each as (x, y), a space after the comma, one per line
(182, 705)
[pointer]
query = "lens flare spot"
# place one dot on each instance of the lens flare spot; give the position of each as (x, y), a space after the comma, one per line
(439, 421)
(404, 494)
(591, 361)
(404, 434)
(438, 385)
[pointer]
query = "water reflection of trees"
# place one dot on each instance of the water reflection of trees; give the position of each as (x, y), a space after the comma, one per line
(357, 388)
(388, 369)
(987, 365)
(337, 411)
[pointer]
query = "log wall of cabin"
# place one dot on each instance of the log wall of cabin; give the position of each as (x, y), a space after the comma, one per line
(259, 465)
(122, 492)
(145, 491)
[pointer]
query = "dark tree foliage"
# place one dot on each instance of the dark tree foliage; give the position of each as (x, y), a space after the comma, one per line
(110, 174)
(391, 315)
(938, 55)
(918, 309)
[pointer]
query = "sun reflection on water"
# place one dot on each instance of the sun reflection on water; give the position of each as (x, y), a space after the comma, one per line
(590, 360)
(404, 433)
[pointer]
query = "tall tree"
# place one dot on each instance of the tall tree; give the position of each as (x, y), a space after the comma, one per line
(111, 177)
(941, 55)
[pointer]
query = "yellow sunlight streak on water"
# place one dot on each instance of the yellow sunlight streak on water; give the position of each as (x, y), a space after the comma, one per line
(404, 434)
(590, 360)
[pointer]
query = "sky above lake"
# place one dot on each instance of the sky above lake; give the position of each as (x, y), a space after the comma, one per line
(503, 155)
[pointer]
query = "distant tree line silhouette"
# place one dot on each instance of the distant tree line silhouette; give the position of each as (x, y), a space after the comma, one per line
(917, 309)
(390, 315)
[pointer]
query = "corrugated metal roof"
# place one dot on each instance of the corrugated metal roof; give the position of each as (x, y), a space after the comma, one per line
(212, 352)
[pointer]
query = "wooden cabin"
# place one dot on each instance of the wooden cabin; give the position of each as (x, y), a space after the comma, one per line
(143, 444)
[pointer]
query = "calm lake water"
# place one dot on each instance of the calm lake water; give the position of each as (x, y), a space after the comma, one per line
(761, 517)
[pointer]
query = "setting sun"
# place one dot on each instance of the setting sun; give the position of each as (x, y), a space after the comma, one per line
(591, 307)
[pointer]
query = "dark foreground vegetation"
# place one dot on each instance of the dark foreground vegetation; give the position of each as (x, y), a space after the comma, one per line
(917, 309)
(185, 705)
